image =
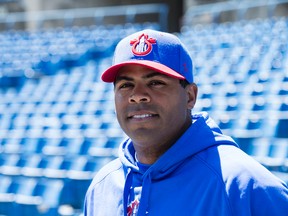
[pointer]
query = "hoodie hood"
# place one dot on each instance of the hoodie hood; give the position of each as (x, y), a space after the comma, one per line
(202, 134)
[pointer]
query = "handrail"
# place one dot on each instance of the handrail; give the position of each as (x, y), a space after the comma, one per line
(98, 13)
(216, 8)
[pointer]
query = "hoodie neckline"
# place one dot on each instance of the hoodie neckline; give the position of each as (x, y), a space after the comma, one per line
(202, 134)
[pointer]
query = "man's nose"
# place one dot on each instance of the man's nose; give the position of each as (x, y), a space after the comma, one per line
(139, 95)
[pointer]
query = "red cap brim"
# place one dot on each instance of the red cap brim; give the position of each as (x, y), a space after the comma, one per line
(110, 74)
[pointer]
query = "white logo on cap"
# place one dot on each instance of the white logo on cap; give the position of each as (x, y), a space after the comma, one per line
(142, 45)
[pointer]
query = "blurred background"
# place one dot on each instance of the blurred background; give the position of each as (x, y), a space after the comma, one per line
(57, 120)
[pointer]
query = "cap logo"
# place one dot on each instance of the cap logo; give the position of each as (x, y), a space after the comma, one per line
(142, 45)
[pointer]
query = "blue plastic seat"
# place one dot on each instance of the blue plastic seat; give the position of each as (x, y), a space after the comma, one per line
(78, 163)
(254, 123)
(12, 145)
(260, 104)
(283, 91)
(33, 166)
(284, 106)
(5, 182)
(53, 167)
(277, 155)
(53, 146)
(226, 122)
(258, 89)
(6, 197)
(232, 104)
(25, 190)
(282, 128)
(76, 146)
(51, 191)
(259, 148)
(12, 165)
(278, 148)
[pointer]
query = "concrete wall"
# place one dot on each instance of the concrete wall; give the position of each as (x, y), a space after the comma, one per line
(176, 10)
(174, 16)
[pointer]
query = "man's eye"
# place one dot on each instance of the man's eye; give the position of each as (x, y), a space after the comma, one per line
(125, 85)
(156, 83)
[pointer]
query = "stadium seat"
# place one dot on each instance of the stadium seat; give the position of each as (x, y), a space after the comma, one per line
(259, 148)
(12, 165)
(54, 167)
(33, 166)
(277, 158)
(282, 128)
(260, 104)
(6, 197)
(284, 106)
(51, 192)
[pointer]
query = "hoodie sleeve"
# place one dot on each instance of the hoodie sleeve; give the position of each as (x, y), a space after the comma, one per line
(270, 201)
(104, 195)
(252, 189)
(258, 199)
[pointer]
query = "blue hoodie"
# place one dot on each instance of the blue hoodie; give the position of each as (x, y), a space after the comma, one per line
(203, 173)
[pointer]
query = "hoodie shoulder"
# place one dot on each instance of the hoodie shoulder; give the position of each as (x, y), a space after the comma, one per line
(246, 181)
(106, 171)
(103, 197)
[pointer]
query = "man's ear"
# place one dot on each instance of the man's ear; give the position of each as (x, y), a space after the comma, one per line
(192, 90)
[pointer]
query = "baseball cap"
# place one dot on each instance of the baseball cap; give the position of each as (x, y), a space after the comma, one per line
(159, 51)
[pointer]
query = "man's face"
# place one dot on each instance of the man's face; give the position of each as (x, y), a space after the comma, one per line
(152, 107)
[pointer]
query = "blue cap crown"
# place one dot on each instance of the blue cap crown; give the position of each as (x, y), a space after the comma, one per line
(157, 50)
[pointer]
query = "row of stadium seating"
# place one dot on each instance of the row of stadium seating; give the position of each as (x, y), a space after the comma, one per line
(23, 195)
(246, 74)
(241, 71)
(57, 119)
(45, 52)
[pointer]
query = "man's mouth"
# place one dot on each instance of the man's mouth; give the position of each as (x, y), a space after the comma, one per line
(142, 116)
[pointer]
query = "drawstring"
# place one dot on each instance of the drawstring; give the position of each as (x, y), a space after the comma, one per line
(144, 195)
(128, 184)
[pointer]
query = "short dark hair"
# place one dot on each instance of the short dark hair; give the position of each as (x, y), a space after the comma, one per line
(184, 83)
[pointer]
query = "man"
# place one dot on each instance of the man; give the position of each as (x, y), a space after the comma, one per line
(173, 163)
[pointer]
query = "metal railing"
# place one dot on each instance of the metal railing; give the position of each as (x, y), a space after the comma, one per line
(238, 7)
